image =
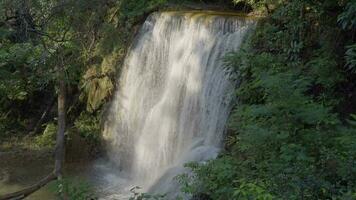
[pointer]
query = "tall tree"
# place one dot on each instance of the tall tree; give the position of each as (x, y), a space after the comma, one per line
(54, 46)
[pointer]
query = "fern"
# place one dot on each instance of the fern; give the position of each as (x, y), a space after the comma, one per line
(350, 57)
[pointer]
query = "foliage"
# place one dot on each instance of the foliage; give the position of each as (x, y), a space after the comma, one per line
(247, 191)
(217, 179)
(351, 58)
(133, 9)
(88, 127)
(209, 178)
(74, 190)
(288, 139)
(47, 139)
(347, 19)
(33, 46)
(88, 38)
(258, 4)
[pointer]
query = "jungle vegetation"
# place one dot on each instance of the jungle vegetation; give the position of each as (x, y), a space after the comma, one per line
(291, 135)
(292, 132)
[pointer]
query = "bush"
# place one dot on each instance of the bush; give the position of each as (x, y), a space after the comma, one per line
(48, 137)
(73, 190)
(88, 126)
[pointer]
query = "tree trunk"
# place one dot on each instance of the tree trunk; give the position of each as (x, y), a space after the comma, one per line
(59, 149)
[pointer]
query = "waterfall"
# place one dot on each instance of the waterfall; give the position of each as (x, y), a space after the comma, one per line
(174, 95)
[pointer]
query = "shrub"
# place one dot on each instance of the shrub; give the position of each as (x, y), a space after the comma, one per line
(48, 137)
(73, 190)
(88, 126)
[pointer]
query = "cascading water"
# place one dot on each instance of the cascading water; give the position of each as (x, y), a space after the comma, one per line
(173, 96)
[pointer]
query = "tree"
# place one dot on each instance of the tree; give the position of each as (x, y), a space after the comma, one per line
(55, 47)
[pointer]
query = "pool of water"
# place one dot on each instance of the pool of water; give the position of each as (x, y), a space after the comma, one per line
(20, 171)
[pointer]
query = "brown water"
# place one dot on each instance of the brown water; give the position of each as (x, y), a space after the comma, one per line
(20, 171)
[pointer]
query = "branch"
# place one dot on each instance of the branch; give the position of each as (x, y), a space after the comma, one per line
(267, 8)
(55, 10)
(7, 21)
(47, 35)
(43, 116)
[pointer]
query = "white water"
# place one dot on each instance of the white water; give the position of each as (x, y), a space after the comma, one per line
(173, 96)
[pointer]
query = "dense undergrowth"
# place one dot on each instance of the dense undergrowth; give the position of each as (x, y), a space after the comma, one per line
(292, 133)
